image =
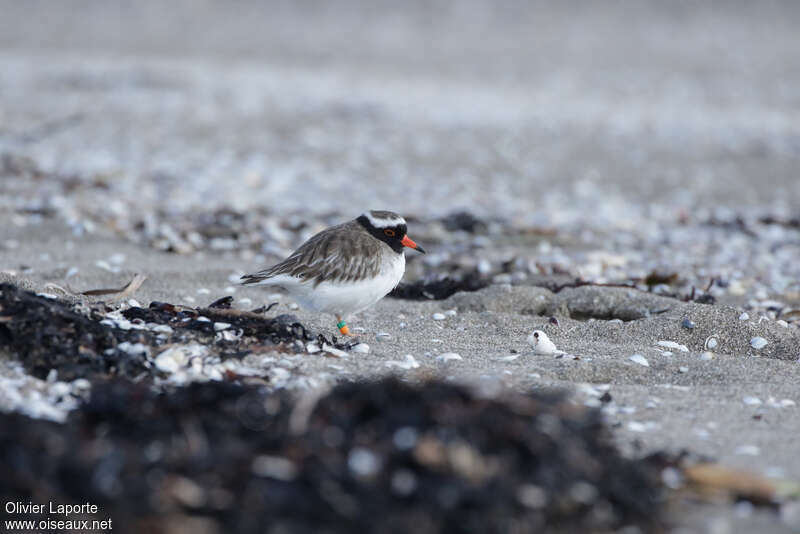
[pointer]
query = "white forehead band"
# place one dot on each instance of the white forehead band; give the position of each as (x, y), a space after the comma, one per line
(383, 223)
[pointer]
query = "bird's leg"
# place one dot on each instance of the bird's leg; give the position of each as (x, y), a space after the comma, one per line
(342, 326)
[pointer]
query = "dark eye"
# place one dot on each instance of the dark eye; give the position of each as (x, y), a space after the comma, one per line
(389, 232)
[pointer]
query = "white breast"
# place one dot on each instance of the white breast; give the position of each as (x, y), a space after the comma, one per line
(345, 298)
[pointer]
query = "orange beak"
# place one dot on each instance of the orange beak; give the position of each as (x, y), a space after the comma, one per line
(408, 242)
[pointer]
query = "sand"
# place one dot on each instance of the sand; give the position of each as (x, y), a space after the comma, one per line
(596, 150)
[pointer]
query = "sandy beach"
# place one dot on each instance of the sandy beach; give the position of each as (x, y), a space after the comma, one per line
(621, 177)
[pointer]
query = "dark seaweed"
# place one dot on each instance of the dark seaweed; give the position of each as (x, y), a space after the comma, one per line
(50, 334)
(369, 457)
(440, 289)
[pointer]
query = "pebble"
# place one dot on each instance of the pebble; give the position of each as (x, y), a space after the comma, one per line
(790, 514)
(274, 467)
(447, 356)
(363, 462)
(711, 343)
(683, 369)
(686, 323)
(361, 348)
(383, 336)
(781, 322)
(744, 316)
(672, 345)
(439, 317)
(219, 327)
(758, 343)
(641, 360)
(706, 356)
(751, 401)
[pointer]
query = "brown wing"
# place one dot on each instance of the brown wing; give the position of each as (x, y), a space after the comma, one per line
(342, 253)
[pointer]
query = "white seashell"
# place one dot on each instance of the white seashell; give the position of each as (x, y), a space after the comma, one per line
(383, 336)
(228, 335)
(168, 362)
(635, 426)
(641, 360)
(219, 327)
(672, 345)
(447, 356)
(711, 343)
(747, 450)
(751, 401)
(541, 343)
(439, 317)
(744, 316)
(172, 359)
(134, 348)
(509, 358)
(117, 258)
(333, 350)
(409, 363)
(758, 343)
(683, 369)
(706, 356)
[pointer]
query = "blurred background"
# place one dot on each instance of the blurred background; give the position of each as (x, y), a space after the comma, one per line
(608, 123)
(418, 106)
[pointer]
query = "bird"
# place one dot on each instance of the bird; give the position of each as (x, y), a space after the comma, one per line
(346, 268)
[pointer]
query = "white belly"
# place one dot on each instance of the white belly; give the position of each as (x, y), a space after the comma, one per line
(344, 298)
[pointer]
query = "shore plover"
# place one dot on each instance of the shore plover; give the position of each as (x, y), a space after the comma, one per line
(345, 268)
